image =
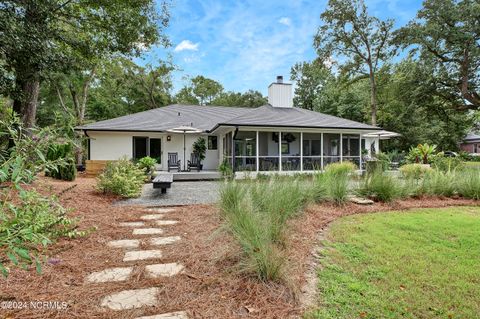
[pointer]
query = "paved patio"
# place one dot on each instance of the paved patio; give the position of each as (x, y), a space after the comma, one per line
(181, 193)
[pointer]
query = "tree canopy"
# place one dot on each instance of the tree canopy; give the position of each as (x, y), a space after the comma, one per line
(43, 37)
(365, 41)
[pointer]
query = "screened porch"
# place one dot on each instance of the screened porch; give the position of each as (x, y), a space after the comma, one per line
(290, 151)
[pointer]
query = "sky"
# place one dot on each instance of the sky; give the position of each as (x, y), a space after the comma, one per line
(246, 44)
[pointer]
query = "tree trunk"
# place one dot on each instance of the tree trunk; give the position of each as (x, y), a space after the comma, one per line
(26, 104)
(373, 96)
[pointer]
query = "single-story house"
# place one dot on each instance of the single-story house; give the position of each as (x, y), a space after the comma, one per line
(275, 137)
(471, 144)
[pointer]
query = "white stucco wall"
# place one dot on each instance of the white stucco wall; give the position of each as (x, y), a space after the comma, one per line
(114, 145)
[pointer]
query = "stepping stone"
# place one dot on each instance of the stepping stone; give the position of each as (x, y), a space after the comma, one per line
(142, 255)
(147, 231)
(161, 210)
(163, 270)
(132, 224)
(163, 240)
(170, 315)
(130, 299)
(152, 217)
(166, 222)
(361, 201)
(124, 243)
(112, 274)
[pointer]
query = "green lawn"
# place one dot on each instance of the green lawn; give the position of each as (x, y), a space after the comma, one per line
(420, 264)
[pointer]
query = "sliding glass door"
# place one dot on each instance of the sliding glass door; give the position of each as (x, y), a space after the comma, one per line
(146, 146)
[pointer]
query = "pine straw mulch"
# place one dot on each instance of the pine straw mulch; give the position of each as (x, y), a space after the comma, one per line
(211, 286)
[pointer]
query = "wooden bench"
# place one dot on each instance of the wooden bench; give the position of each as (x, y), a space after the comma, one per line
(163, 181)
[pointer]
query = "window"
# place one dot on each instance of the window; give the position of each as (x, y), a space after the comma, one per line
(145, 146)
(212, 143)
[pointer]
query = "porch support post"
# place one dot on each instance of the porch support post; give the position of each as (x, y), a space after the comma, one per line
(321, 151)
(301, 151)
(360, 151)
(341, 147)
(256, 153)
(280, 151)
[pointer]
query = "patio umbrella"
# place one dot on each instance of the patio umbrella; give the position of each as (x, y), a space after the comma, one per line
(185, 130)
(383, 135)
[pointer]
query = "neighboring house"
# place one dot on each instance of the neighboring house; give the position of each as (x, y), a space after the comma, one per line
(471, 144)
(273, 137)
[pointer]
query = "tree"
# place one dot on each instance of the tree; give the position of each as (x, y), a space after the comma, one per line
(40, 37)
(205, 89)
(409, 108)
(365, 41)
(186, 96)
(117, 87)
(311, 79)
(447, 34)
(250, 98)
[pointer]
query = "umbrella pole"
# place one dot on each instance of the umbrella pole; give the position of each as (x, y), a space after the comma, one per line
(184, 148)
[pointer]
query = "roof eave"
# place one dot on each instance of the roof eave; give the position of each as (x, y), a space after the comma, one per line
(295, 126)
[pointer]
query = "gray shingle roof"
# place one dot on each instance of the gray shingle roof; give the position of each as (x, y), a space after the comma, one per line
(472, 137)
(207, 118)
(268, 115)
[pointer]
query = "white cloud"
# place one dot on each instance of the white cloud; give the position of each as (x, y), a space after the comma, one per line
(186, 45)
(285, 21)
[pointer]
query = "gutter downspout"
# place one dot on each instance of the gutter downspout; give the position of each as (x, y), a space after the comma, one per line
(233, 149)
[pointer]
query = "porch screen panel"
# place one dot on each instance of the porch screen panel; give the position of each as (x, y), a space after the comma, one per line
(290, 151)
(268, 151)
(246, 151)
(312, 152)
(351, 148)
(331, 148)
(140, 148)
(156, 149)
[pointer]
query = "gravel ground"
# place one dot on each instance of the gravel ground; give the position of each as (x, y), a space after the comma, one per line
(181, 193)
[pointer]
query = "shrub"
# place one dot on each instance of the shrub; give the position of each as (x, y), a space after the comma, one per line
(414, 171)
(226, 169)
(381, 187)
(147, 164)
(29, 223)
(122, 178)
(66, 170)
(468, 183)
(423, 153)
(446, 164)
(384, 160)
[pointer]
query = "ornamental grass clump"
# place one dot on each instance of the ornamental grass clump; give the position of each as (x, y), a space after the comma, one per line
(122, 178)
(256, 214)
(337, 177)
(381, 187)
(468, 183)
(414, 171)
(440, 183)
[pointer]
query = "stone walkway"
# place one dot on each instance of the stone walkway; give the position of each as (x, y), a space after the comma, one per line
(147, 225)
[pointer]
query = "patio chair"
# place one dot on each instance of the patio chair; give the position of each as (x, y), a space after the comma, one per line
(194, 162)
(173, 161)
